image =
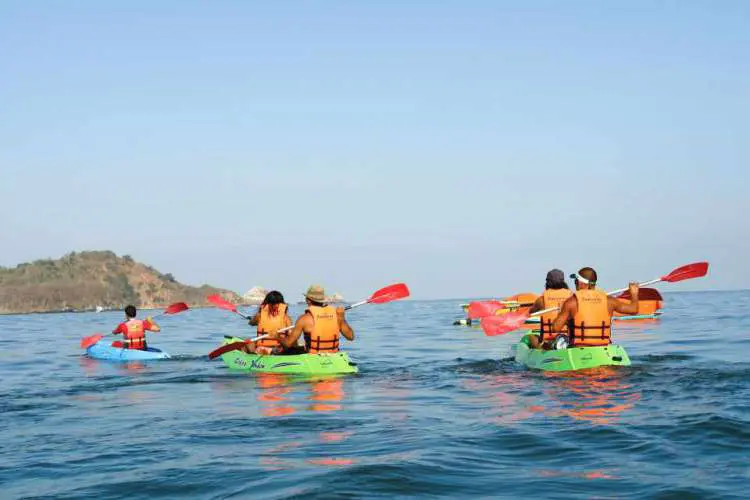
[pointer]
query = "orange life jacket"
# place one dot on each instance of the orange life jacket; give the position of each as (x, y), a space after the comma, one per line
(135, 335)
(552, 298)
(325, 334)
(592, 324)
(268, 323)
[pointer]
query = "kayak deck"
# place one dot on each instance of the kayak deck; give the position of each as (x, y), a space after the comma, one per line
(337, 363)
(573, 358)
(534, 321)
(102, 350)
(637, 317)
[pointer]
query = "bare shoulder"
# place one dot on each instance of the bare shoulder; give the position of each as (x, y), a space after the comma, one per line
(571, 302)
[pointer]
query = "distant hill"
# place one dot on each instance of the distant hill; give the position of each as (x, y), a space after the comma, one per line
(85, 280)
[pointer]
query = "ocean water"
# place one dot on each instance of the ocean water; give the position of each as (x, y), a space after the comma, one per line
(437, 411)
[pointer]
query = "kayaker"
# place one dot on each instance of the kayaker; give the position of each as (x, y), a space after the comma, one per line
(588, 312)
(321, 324)
(556, 292)
(272, 315)
(134, 330)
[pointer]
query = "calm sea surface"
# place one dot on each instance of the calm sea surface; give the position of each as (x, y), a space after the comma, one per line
(437, 410)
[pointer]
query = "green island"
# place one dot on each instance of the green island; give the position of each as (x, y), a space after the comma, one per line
(94, 280)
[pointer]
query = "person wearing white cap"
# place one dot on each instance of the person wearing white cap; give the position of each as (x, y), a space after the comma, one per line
(588, 312)
(321, 324)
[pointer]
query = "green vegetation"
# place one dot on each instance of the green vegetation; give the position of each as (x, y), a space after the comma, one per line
(85, 280)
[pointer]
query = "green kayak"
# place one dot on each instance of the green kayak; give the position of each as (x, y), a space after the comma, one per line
(574, 358)
(302, 364)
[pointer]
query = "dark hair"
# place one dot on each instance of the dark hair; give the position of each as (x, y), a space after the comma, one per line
(314, 303)
(130, 311)
(273, 299)
(557, 286)
(589, 274)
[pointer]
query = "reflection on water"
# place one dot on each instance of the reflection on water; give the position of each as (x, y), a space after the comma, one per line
(272, 392)
(94, 367)
(594, 474)
(501, 392)
(599, 396)
(635, 330)
(327, 394)
(277, 395)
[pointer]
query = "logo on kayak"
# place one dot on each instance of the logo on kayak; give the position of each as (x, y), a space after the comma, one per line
(551, 360)
(256, 364)
(285, 363)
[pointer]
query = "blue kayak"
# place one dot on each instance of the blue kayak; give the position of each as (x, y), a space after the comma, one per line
(103, 350)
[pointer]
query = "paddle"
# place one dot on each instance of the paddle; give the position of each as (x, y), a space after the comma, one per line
(382, 296)
(483, 308)
(499, 325)
(219, 302)
(175, 308)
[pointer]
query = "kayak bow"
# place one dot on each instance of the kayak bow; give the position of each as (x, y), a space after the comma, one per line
(104, 351)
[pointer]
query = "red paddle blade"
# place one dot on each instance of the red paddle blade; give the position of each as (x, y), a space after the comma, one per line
(690, 271)
(389, 293)
(481, 309)
(175, 308)
(87, 342)
(219, 301)
(226, 348)
(499, 325)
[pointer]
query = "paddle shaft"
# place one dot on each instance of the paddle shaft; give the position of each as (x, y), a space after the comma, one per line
(288, 328)
(614, 292)
(242, 315)
(640, 285)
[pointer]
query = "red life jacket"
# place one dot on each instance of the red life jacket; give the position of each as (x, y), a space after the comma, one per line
(325, 334)
(135, 335)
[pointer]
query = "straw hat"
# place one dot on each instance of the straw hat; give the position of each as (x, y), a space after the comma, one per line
(316, 293)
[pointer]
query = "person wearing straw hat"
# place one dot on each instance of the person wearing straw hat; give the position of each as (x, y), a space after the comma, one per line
(321, 324)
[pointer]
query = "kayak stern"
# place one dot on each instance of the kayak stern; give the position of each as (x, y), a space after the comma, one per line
(571, 359)
(337, 363)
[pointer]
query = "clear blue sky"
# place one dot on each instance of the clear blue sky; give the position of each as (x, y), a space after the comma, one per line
(462, 147)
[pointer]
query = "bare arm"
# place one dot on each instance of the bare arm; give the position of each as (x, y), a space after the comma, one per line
(537, 306)
(151, 325)
(626, 308)
(290, 340)
(255, 319)
(568, 310)
(344, 327)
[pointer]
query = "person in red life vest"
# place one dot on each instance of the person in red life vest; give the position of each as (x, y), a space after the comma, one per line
(321, 324)
(272, 316)
(134, 330)
(555, 293)
(588, 312)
